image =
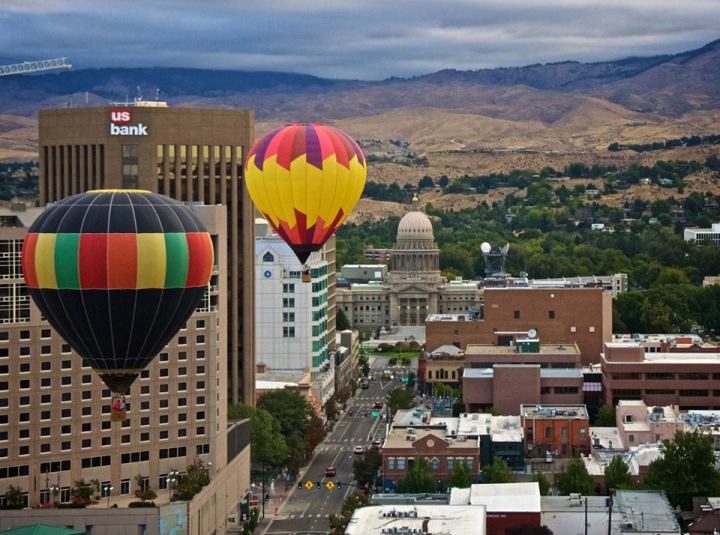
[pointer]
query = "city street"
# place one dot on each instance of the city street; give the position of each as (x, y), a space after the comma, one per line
(307, 511)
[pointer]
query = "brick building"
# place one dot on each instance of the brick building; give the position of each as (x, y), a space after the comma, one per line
(582, 316)
(505, 387)
(563, 430)
(689, 380)
(404, 446)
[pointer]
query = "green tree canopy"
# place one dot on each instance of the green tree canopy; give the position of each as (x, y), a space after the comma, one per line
(338, 523)
(686, 469)
(365, 469)
(617, 474)
(575, 478)
(543, 482)
(605, 416)
(497, 472)
(293, 412)
(400, 399)
(461, 476)
(196, 477)
(266, 438)
(419, 479)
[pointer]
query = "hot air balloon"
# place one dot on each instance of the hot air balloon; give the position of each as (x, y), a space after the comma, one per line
(305, 179)
(117, 273)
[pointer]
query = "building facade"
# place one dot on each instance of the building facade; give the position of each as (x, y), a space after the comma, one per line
(581, 316)
(413, 287)
(55, 423)
(192, 155)
(704, 236)
(562, 430)
(292, 333)
(685, 379)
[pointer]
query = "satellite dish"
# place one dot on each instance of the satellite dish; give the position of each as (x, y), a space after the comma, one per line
(506, 248)
(485, 247)
(532, 333)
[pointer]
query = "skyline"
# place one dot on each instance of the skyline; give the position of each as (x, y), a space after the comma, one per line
(342, 39)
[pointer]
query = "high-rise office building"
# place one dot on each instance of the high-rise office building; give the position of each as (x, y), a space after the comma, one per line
(192, 155)
(55, 425)
(291, 316)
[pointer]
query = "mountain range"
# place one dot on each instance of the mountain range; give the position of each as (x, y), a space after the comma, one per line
(556, 106)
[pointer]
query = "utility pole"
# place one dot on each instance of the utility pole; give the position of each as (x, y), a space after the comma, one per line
(610, 507)
(586, 513)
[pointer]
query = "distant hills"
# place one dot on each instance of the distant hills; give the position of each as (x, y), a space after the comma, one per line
(554, 106)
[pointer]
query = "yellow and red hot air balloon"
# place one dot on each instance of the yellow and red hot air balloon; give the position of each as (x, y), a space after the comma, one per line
(305, 179)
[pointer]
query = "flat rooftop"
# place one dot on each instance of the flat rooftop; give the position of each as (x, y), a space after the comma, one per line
(435, 519)
(646, 511)
(407, 437)
(450, 317)
(606, 438)
(550, 373)
(544, 349)
(506, 497)
(554, 411)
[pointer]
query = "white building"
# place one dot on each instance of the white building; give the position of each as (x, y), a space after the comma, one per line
(702, 236)
(291, 317)
(418, 519)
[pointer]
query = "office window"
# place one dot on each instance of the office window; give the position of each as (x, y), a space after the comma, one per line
(66, 364)
(87, 411)
(44, 333)
(200, 431)
(125, 486)
(66, 413)
(66, 381)
(182, 340)
(145, 421)
(45, 366)
(163, 435)
(145, 374)
(24, 367)
(182, 355)
(182, 417)
(106, 441)
(164, 372)
(164, 388)
(516, 314)
(45, 447)
(182, 370)
(144, 390)
(182, 432)
(24, 335)
(164, 404)
(551, 314)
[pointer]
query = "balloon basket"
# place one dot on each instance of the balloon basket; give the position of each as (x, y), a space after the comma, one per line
(306, 277)
(118, 415)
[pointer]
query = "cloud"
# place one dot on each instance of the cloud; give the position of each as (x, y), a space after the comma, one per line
(365, 39)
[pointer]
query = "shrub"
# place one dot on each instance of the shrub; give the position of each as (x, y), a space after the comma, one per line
(141, 504)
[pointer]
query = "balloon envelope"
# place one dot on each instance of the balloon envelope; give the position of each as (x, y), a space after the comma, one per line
(305, 179)
(117, 273)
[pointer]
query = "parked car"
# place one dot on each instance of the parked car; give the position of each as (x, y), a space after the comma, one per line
(376, 443)
(358, 450)
(378, 405)
(330, 471)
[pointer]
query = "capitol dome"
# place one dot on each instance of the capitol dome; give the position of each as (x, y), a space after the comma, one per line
(415, 225)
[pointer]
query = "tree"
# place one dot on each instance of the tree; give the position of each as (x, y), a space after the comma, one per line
(575, 478)
(331, 409)
(314, 434)
(196, 477)
(605, 416)
(292, 410)
(341, 321)
(442, 390)
(528, 529)
(443, 181)
(267, 442)
(399, 399)
(461, 476)
(365, 468)
(617, 474)
(14, 498)
(685, 469)
(338, 523)
(497, 472)
(543, 482)
(426, 182)
(419, 479)
(81, 493)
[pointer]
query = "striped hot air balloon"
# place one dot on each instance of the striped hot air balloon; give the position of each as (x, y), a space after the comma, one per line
(305, 179)
(117, 273)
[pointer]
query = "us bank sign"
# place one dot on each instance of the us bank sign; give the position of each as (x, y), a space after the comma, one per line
(119, 119)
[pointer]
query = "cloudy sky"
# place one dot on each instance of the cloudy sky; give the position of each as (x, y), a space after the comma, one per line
(363, 39)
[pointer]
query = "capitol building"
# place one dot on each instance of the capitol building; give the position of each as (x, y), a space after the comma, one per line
(409, 287)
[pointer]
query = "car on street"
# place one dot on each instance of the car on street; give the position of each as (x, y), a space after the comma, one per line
(376, 443)
(378, 405)
(330, 471)
(358, 450)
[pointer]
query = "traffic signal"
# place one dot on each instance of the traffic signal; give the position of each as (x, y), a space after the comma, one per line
(300, 485)
(338, 484)
(318, 484)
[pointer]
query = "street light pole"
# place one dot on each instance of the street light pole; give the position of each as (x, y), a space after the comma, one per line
(108, 491)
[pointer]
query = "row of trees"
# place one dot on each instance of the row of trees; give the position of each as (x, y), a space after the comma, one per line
(285, 429)
(685, 469)
(685, 141)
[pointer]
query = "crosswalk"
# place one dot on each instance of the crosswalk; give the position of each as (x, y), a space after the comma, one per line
(301, 515)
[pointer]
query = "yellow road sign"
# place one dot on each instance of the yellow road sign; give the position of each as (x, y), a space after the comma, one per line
(329, 485)
(309, 485)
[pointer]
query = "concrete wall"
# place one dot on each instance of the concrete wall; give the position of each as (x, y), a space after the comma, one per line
(94, 521)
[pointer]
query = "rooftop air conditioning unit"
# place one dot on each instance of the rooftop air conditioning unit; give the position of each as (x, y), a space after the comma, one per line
(409, 438)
